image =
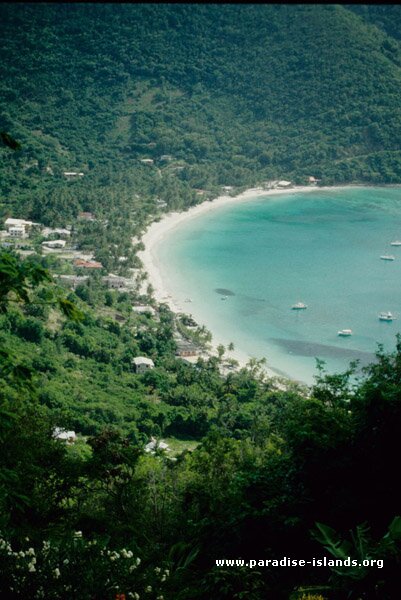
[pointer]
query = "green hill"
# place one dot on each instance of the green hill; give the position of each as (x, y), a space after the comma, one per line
(232, 94)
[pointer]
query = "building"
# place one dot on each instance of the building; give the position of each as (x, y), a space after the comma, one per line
(73, 174)
(87, 264)
(142, 364)
(186, 348)
(147, 161)
(18, 228)
(54, 244)
(312, 180)
(58, 231)
(284, 184)
(144, 309)
(17, 231)
(66, 436)
(114, 282)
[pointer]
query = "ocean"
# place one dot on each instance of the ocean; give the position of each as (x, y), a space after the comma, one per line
(243, 267)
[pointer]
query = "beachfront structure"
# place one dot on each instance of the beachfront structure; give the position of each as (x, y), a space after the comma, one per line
(142, 364)
(283, 183)
(87, 264)
(144, 309)
(54, 244)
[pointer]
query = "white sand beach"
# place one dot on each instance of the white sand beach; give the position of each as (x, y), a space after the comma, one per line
(158, 230)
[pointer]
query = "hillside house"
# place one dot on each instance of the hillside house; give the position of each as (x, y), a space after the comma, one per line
(70, 174)
(58, 231)
(142, 364)
(17, 231)
(87, 264)
(18, 228)
(54, 244)
(66, 436)
(114, 282)
(186, 348)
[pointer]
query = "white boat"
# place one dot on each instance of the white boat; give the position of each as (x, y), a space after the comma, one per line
(386, 316)
(396, 243)
(299, 306)
(387, 257)
(344, 332)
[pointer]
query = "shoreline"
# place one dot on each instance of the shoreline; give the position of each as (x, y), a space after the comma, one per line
(159, 230)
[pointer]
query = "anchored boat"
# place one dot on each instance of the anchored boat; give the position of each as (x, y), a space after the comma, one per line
(386, 316)
(299, 306)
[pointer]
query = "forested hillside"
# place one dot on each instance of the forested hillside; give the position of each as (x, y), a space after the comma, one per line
(215, 95)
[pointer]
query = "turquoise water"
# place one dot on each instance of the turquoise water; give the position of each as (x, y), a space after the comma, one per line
(322, 248)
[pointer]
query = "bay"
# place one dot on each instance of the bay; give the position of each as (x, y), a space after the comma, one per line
(244, 266)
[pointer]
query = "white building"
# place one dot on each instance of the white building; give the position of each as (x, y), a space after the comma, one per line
(142, 364)
(54, 244)
(59, 231)
(66, 436)
(18, 228)
(17, 231)
(284, 183)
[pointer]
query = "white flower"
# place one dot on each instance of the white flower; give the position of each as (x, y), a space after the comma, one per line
(138, 562)
(31, 568)
(57, 573)
(66, 561)
(78, 534)
(157, 570)
(148, 589)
